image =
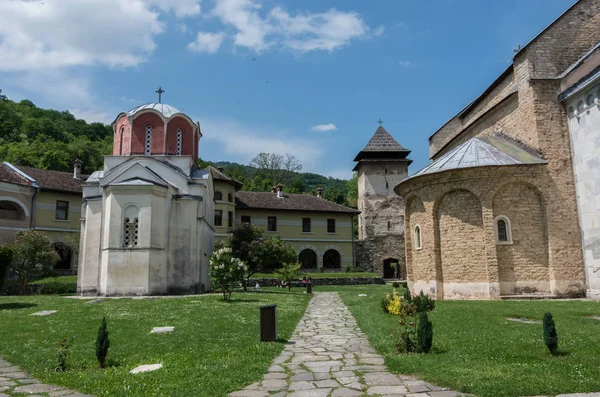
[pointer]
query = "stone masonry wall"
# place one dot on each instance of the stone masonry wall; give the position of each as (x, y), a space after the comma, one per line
(524, 260)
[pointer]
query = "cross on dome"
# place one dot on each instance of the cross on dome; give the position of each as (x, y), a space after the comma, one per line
(160, 92)
(380, 121)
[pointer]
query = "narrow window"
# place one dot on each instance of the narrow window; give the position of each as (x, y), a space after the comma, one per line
(126, 233)
(330, 225)
(218, 217)
(246, 220)
(122, 138)
(62, 210)
(272, 224)
(417, 237)
(230, 219)
(179, 140)
(386, 184)
(148, 147)
(218, 195)
(386, 170)
(389, 225)
(135, 231)
(503, 232)
(230, 197)
(305, 225)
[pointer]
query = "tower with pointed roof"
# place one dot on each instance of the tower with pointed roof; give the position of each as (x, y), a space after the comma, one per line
(381, 165)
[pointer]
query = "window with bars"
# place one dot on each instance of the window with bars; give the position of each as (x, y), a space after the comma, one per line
(148, 144)
(131, 232)
(330, 225)
(272, 224)
(218, 217)
(417, 237)
(62, 210)
(305, 225)
(503, 230)
(179, 141)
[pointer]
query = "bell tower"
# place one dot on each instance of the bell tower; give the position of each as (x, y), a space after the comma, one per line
(381, 165)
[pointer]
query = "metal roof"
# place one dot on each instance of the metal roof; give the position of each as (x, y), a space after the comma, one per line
(163, 108)
(481, 152)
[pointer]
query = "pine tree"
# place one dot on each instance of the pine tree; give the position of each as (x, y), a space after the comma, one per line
(407, 296)
(550, 335)
(102, 343)
(425, 333)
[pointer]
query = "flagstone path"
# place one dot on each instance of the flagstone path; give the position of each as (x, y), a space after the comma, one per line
(328, 355)
(15, 382)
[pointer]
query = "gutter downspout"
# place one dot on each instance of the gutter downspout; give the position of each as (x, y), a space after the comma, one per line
(35, 192)
(353, 245)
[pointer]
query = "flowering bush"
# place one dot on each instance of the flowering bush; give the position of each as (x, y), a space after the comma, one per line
(394, 302)
(226, 271)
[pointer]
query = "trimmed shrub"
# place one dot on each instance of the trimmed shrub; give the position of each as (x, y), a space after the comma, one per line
(396, 284)
(550, 335)
(6, 255)
(407, 296)
(385, 301)
(424, 333)
(423, 303)
(57, 288)
(102, 344)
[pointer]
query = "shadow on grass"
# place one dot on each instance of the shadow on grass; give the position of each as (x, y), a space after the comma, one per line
(282, 292)
(561, 353)
(234, 300)
(16, 305)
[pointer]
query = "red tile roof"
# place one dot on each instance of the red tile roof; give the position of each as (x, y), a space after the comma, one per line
(55, 180)
(289, 202)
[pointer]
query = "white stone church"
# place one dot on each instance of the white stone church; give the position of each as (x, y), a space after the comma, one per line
(146, 219)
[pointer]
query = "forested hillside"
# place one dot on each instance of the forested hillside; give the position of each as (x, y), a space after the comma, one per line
(52, 139)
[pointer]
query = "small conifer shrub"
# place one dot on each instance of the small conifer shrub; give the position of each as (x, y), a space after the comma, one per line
(423, 303)
(550, 335)
(407, 296)
(102, 343)
(424, 333)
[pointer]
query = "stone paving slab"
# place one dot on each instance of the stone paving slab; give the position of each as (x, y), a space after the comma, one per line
(15, 382)
(329, 356)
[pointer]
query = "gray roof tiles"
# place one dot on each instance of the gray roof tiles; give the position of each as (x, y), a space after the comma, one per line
(382, 141)
(289, 202)
(481, 152)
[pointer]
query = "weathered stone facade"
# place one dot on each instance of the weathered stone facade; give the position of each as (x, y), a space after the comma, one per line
(381, 166)
(457, 207)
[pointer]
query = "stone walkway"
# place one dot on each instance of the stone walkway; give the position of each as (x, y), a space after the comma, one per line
(330, 356)
(15, 382)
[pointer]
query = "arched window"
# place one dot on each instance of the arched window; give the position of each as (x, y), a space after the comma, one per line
(121, 143)
(179, 140)
(218, 195)
(148, 145)
(131, 227)
(417, 237)
(590, 101)
(308, 259)
(332, 259)
(11, 210)
(503, 231)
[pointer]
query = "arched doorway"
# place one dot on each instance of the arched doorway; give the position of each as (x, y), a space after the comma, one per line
(65, 254)
(391, 268)
(11, 210)
(332, 259)
(308, 259)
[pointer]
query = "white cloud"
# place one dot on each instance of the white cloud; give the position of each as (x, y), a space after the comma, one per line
(324, 127)
(181, 8)
(206, 42)
(301, 33)
(37, 35)
(244, 17)
(242, 143)
(404, 63)
(92, 116)
(379, 31)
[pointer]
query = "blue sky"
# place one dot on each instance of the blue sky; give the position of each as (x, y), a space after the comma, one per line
(306, 77)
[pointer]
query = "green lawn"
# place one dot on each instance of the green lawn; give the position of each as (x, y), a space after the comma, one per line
(317, 275)
(213, 350)
(477, 350)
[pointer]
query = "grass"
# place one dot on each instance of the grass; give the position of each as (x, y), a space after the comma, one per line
(476, 350)
(317, 275)
(56, 279)
(213, 350)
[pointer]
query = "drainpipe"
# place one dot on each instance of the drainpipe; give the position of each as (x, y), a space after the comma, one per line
(35, 192)
(353, 246)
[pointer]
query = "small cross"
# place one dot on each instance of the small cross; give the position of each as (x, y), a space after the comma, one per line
(380, 121)
(160, 92)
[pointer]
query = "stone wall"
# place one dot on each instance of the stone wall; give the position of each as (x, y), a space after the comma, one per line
(460, 256)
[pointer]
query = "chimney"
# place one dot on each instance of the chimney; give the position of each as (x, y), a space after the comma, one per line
(279, 193)
(77, 168)
(274, 189)
(319, 192)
